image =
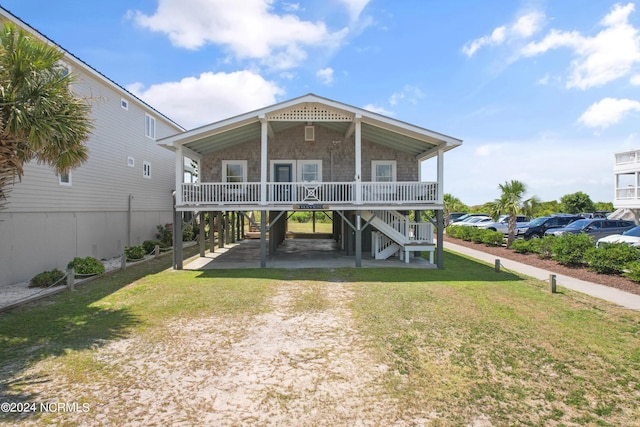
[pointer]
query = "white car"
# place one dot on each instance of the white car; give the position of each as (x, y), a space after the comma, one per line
(630, 237)
(473, 220)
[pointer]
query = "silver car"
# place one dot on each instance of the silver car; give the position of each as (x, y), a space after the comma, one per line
(502, 224)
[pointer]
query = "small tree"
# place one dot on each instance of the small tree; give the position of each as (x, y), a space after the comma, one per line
(511, 203)
(577, 202)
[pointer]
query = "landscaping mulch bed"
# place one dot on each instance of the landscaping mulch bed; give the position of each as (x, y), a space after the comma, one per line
(617, 282)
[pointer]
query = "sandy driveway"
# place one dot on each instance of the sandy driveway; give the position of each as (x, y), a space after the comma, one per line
(285, 367)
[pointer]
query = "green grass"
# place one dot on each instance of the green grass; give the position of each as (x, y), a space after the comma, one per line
(307, 227)
(461, 343)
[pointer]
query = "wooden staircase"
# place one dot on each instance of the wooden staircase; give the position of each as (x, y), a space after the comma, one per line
(397, 235)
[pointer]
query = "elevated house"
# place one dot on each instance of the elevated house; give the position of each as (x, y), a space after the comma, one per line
(117, 198)
(627, 185)
(316, 154)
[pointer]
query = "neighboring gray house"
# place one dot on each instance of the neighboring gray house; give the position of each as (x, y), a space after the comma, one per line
(313, 153)
(115, 199)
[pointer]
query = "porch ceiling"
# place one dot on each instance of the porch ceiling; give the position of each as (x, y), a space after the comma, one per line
(377, 135)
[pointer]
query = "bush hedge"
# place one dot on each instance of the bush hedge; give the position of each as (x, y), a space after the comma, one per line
(576, 250)
(570, 249)
(46, 279)
(87, 265)
(134, 252)
(612, 258)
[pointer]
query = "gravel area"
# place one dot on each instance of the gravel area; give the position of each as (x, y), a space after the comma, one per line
(617, 282)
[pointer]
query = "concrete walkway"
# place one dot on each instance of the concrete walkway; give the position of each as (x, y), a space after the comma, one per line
(624, 299)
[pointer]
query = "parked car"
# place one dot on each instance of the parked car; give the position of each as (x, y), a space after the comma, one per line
(472, 220)
(454, 216)
(502, 224)
(536, 228)
(596, 228)
(467, 217)
(596, 214)
(630, 237)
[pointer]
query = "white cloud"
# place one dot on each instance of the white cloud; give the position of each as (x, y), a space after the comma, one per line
(635, 80)
(195, 101)
(524, 27)
(607, 56)
(377, 109)
(355, 7)
(488, 150)
(411, 93)
(325, 75)
(607, 112)
(249, 29)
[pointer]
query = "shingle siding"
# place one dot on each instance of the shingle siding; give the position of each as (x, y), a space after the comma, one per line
(289, 144)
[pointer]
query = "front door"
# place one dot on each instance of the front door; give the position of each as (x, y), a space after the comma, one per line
(283, 172)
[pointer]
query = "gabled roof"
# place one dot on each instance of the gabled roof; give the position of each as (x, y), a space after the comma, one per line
(420, 142)
(5, 14)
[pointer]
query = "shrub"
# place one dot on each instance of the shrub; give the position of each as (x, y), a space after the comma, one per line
(150, 245)
(543, 247)
(87, 265)
(633, 271)
(612, 258)
(522, 246)
(492, 238)
(187, 232)
(46, 279)
(165, 235)
(569, 249)
(453, 231)
(134, 252)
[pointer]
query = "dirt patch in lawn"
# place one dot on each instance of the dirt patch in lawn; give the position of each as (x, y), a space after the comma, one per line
(288, 366)
(613, 281)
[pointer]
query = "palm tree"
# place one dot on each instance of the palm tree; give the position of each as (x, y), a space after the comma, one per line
(511, 203)
(40, 118)
(452, 204)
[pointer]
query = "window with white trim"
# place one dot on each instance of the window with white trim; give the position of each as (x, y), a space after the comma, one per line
(146, 169)
(124, 103)
(65, 179)
(131, 162)
(383, 170)
(234, 171)
(149, 126)
(310, 170)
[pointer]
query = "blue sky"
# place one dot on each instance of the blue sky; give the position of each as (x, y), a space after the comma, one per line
(540, 91)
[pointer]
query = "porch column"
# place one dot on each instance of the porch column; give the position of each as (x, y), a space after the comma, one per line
(177, 237)
(179, 174)
(440, 179)
(263, 239)
(440, 237)
(358, 239)
(358, 156)
(201, 242)
(220, 230)
(212, 246)
(264, 168)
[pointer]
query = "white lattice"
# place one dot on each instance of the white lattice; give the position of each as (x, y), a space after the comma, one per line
(310, 113)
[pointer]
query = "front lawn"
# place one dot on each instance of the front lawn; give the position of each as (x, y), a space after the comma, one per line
(462, 346)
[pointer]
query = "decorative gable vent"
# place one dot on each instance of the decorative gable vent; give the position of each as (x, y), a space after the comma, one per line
(310, 113)
(309, 133)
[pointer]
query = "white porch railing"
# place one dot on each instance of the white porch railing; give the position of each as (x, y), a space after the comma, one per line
(248, 193)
